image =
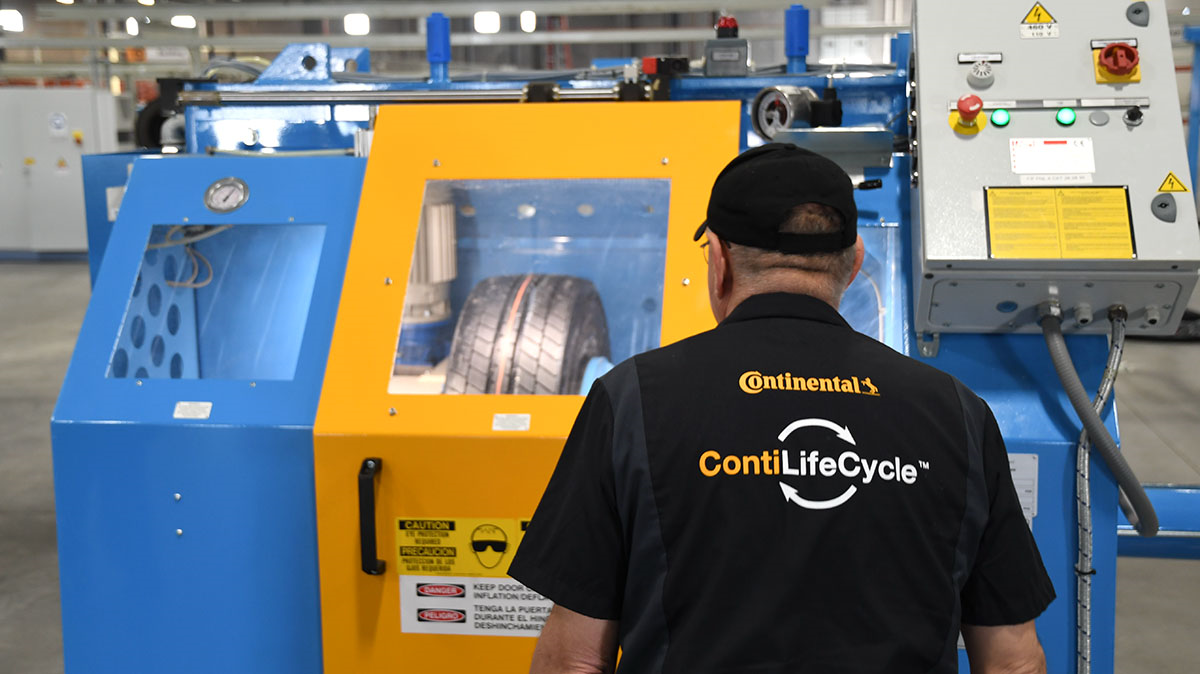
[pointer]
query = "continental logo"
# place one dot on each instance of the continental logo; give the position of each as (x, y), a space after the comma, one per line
(754, 382)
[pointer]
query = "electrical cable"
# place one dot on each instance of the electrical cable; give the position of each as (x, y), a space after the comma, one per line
(1142, 515)
(197, 258)
(169, 240)
(1083, 498)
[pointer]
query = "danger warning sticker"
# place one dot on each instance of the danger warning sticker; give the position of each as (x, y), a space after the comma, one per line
(1038, 24)
(1172, 183)
(1059, 223)
(473, 606)
(459, 546)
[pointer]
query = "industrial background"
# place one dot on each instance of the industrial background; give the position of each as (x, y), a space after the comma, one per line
(85, 80)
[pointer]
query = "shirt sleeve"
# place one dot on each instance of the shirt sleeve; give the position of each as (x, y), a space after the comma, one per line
(573, 551)
(1008, 584)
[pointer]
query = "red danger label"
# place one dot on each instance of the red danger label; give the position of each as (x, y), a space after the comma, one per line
(440, 590)
(441, 615)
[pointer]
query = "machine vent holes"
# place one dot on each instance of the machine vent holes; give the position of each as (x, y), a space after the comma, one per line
(137, 332)
(176, 366)
(173, 319)
(170, 268)
(154, 300)
(151, 257)
(141, 373)
(157, 349)
(120, 363)
(137, 285)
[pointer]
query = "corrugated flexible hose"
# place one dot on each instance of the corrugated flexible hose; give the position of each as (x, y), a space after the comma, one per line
(1141, 512)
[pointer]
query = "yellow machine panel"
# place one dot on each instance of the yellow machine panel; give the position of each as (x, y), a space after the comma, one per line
(481, 219)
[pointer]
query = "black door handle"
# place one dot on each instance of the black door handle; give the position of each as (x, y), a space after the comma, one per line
(371, 564)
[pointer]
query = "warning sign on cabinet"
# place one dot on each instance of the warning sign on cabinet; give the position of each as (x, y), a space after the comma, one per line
(465, 605)
(460, 546)
(1090, 223)
(1038, 24)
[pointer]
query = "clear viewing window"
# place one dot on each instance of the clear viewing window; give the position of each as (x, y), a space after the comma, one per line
(531, 286)
(219, 302)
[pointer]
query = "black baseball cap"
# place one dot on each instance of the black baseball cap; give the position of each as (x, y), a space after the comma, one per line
(755, 194)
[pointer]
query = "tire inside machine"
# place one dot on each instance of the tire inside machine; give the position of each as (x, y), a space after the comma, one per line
(531, 334)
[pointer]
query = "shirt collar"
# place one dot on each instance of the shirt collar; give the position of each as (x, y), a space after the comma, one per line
(785, 305)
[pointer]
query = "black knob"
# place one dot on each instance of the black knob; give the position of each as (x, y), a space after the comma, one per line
(1134, 114)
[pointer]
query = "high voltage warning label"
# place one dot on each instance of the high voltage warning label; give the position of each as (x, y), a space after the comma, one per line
(1090, 223)
(1038, 24)
(1172, 183)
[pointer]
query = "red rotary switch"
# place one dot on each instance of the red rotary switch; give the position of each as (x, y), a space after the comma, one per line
(1119, 58)
(969, 107)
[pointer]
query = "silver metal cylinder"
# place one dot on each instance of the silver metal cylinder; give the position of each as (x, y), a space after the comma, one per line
(434, 266)
(778, 108)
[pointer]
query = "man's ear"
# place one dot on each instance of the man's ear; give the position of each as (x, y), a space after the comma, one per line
(722, 270)
(860, 253)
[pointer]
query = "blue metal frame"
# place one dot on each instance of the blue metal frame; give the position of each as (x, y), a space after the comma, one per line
(100, 173)
(1179, 525)
(1192, 34)
(224, 576)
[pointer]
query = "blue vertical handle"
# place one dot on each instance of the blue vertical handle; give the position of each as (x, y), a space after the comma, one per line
(795, 38)
(437, 47)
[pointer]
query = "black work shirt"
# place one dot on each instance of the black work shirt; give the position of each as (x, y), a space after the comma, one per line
(784, 494)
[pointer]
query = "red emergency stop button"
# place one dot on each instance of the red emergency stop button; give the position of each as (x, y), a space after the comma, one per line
(969, 107)
(1119, 58)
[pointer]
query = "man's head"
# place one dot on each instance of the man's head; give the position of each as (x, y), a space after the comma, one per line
(780, 219)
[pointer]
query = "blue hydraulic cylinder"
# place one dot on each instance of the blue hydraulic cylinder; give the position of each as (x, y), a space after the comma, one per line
(1192, 34)
(795, 38)
(437, 47)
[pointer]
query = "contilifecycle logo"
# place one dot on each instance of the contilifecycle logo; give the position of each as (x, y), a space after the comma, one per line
(811, 463)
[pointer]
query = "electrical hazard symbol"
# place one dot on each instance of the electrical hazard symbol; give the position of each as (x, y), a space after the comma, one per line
(1172, 183)
(1038, 24)
(1038, 15)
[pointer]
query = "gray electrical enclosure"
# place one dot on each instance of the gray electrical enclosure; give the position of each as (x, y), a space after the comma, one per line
(1071, 181)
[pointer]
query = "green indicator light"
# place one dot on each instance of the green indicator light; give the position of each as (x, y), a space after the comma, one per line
(1000, 117)
(1065, 116)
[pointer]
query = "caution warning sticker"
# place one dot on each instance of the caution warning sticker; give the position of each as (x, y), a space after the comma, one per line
(1059, 223)
(1038, 24)
(454, 578)
(1172, 183)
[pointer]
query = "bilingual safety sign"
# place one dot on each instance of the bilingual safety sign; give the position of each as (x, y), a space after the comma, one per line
(847, 466)
(454, 578)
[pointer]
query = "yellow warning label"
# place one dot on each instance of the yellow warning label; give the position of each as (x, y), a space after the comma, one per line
(459, 546)
(1038, 15)
(1059, 223)
(1172, 183)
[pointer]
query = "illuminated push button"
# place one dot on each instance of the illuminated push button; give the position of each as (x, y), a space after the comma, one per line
(969, 107)
(1065, 116)
(1000, 117)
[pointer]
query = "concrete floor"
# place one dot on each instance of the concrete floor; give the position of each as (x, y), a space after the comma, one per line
(42, 305)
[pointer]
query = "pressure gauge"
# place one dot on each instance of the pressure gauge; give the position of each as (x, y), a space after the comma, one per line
(226, 195)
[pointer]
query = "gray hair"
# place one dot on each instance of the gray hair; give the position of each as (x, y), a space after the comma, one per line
(822, 275)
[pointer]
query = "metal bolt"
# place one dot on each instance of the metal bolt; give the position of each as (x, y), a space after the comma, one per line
(178, 496)
(185, 220)
(138, 382)
(387, 281)
(437, 163)
(370, 464)
(687, 282)
(291, 218)
(1012, 324)
(179, 532)
(665, 161)
(391, 413)
(882, 220)
(253, 384)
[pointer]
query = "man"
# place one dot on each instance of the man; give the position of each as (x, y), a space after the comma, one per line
(781, 493)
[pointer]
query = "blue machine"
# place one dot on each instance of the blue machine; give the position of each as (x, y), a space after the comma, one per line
(183, 434)
(183, 467)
